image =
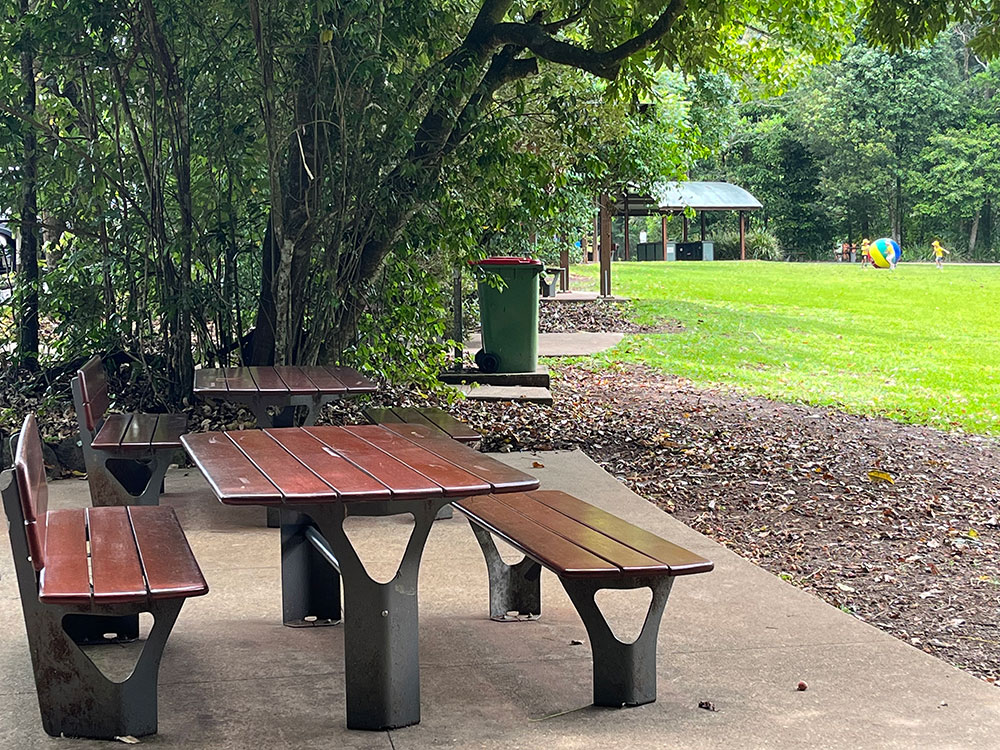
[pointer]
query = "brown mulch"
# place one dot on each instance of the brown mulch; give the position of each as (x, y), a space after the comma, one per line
(609, 316)
(790, 488)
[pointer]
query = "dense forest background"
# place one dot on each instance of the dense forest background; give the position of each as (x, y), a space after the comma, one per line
(872, 145)
(248, 183)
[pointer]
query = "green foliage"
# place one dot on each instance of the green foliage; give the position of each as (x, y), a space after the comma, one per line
(761, 244)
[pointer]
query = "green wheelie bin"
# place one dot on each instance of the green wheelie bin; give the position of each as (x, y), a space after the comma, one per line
(509, 314)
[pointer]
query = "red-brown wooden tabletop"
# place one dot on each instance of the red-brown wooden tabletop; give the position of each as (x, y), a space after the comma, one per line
(317, 380)
(329, 464)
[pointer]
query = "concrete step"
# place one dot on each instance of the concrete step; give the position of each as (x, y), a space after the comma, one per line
(534, 394)
(537, 379)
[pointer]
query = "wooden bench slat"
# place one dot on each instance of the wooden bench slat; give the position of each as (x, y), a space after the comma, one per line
(94, 389)
(109, 438)
(169, 565)
(116, 573)
(352, 379)
(499, 475)
(401, 480)
(169, 428)
(140, 432)
(378, 415)
(679, 560)
(330, 466)
(210, 379)
(238, 380)
(323, 379)
(411, 415)
(267, 380)
(293, 479)
(295, 380)
(544, 545)
(29, 465)
(455, 481)
(65, 578)
(233, 476)
(456, 429)
(615, 552)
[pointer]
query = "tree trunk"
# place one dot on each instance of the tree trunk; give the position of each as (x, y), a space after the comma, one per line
(973, 233)
(27, 273)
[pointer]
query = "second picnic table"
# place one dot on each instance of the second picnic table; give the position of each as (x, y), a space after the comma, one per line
(281, 387)
(318, 476)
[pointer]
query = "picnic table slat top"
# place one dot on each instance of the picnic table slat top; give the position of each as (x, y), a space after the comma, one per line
(232, 476)
(282, 380)
(329, 464)
(502, 477)
(402, 480)
(454, 481)
(350, 481)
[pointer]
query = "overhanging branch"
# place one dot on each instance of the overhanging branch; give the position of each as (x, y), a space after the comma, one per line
(606, 64)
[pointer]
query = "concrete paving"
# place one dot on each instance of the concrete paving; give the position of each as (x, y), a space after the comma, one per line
(576, 344)
(233, 677)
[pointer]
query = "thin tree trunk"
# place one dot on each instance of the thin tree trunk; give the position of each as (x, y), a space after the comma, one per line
(973, 233)
(27, 273)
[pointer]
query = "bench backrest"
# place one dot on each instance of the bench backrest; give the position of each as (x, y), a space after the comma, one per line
(29, 468)
(94, 389)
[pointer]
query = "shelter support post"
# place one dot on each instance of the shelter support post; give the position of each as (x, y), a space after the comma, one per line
(626, 227)
(684, 232)
(663, 234)
(743, 236)
(605, 245)
(564, 264)
(701, 215)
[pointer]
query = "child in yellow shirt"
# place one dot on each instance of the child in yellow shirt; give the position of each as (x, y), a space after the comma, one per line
(939, 253)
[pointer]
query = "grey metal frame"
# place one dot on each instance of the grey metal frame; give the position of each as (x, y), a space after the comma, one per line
(381, 651)
(106, 487)
(75, 698)
(624, 673)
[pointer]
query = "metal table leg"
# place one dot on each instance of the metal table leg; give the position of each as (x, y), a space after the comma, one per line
(381, 653)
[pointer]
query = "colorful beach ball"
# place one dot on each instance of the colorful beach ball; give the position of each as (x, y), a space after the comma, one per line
(885, 252)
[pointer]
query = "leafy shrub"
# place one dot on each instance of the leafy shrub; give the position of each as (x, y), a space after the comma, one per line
(761, 245)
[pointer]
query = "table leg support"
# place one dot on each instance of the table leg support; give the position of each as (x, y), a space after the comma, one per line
(310, 584)
(624, 673)
(515, 590)
(381, 654)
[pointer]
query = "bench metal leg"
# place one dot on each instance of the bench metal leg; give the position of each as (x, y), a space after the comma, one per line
(310, 583)
(144, 479)
(515, 590)
(624, 673)
(75, 698)
(381, 654)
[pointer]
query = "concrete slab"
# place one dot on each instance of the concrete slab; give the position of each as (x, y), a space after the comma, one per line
(574, 296)
(534, 394)
(577, 344)
(537, 379)
(233, 677)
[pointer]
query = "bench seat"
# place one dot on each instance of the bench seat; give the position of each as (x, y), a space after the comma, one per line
(438, 420)
(84, 576)
(137, 555)
(574, 539)
(140, 433)
(589, 550)
(126, 454)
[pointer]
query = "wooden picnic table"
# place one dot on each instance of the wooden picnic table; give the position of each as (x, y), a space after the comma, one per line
(317, 476)
(281, 387)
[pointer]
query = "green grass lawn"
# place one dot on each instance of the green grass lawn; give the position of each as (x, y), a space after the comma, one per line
(916, 345)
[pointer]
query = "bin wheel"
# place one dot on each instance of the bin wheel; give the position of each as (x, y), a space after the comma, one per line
(486, 361)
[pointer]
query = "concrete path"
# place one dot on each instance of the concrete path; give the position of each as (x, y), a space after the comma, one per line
(579, 344)
(233, 677)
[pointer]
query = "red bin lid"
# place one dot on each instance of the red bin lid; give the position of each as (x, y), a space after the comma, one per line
(508, 261)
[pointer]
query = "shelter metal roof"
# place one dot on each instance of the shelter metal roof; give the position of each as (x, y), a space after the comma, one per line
(704, 196)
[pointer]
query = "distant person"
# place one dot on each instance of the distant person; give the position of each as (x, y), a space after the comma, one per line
(939, 253)
(866, 252)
